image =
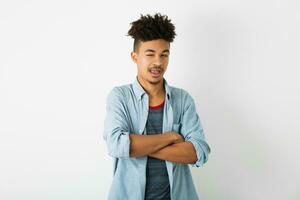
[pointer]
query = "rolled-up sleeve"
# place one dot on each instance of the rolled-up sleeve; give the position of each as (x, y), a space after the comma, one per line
(193, 131)
(116, 130)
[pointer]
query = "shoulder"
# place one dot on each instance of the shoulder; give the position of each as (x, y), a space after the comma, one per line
(180, 93)
(121, 89)
(119, 92)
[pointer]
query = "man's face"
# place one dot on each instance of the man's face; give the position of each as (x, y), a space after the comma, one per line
(152, 58)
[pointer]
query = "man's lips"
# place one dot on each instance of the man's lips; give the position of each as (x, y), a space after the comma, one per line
(155, 72)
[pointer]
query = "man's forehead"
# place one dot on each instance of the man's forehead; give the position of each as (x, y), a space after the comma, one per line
(155, 46)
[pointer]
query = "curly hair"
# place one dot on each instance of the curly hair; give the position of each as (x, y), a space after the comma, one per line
(150, 28)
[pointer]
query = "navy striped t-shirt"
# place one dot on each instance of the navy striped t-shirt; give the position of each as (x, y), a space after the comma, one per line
(157, 180)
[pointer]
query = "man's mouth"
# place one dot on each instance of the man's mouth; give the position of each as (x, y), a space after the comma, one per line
(155, 72)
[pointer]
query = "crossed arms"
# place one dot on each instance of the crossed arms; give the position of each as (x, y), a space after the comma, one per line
(169, 146)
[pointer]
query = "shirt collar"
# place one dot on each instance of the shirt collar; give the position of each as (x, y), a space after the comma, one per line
(139, 90)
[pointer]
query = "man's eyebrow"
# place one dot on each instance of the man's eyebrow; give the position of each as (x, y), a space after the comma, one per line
(151, 50)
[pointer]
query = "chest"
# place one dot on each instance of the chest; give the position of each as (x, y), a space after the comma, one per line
(138, 113)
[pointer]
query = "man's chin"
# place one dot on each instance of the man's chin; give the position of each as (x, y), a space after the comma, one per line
(155, 81)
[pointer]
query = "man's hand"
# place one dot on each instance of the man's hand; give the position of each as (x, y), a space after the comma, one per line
(177, 138)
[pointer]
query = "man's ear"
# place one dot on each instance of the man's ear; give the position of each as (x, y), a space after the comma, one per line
(133, 56)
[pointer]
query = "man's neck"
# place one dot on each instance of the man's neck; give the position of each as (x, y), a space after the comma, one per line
(153, 90)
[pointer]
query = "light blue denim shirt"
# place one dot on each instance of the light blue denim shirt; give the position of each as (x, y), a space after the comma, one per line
(126, 113)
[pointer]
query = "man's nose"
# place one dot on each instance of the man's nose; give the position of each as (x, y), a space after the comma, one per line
(158, 60)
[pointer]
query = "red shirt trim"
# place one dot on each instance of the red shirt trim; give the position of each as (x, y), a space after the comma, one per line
(158, 106)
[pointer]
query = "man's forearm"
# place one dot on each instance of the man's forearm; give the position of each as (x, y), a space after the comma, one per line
(183, 152)
(142, 145)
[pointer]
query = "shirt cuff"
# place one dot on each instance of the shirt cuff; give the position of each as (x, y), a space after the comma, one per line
(202, 155)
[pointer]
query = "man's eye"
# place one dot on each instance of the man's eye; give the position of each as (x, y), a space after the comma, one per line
(165, 55)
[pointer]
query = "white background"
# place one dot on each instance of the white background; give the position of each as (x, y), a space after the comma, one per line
(59, 60)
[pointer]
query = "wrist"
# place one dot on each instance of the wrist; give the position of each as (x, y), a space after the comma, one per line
(172, 138)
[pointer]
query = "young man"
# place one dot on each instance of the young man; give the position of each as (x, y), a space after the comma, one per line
(152, 129)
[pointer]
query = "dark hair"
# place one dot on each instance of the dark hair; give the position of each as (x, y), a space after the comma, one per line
(150, 28)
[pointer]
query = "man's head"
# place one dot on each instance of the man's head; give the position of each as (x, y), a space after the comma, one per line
(152, 37)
